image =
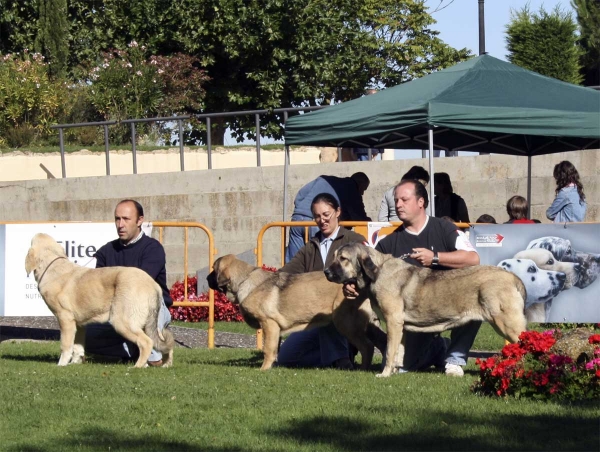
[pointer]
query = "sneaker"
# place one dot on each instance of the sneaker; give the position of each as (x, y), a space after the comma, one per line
(454, 370)
(158, 363)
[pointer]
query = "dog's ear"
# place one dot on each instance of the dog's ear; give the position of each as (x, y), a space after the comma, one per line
(30, 261)
(369, 267)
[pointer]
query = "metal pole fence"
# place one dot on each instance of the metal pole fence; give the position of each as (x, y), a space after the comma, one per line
(207, 117)
(106, 149)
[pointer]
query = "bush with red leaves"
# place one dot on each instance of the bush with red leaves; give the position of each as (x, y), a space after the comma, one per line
(225, 310)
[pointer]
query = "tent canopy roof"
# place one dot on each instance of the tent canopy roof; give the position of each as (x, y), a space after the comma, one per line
(483, 104)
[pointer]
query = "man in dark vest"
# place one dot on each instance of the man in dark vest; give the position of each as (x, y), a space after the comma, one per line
(132, 249)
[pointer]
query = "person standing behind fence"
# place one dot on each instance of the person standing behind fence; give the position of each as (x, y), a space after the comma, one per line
(569, 204)
(132, 249)
(348, 192)
(387, 208)
(448, 203)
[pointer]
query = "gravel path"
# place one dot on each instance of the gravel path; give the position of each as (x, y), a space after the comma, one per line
(46, 328)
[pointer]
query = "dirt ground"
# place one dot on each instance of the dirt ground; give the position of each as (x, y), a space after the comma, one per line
(46, 328)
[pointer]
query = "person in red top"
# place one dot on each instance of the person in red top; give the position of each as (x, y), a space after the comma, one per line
(517, 207)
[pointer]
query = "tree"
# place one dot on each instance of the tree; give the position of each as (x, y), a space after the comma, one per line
(588, 17)
(263, 54)
(18, 25)
(307, 52)
(546, 43)
(52, 39)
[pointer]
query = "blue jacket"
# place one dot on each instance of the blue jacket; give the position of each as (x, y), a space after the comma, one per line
(567, 206)
(344, 189)
(146, 254)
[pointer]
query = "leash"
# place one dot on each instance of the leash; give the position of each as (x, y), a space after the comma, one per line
(404, 256)
(49, 265)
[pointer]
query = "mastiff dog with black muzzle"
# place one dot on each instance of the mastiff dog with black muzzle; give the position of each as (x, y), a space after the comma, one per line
(428, 301)
(282, 303)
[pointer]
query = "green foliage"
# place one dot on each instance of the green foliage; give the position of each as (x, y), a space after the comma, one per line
(53, 35)
(27, 96)
(125, 86)
(19, 136)
(128, 85)
(18, 25)
(588, 17)
(258, 54)
(306, 52)
(545, 42)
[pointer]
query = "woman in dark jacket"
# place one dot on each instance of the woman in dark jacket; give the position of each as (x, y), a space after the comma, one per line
(323, 346)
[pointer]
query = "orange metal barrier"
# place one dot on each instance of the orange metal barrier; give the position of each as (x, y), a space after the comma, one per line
(360, 227)
(211, 258)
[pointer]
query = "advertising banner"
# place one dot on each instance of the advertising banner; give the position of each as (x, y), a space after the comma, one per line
(18, 292)
(559, 265)
(375, 232)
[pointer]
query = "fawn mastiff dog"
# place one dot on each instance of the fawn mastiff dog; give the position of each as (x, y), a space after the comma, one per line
(284, 303)
(126, 297)
(425, 300)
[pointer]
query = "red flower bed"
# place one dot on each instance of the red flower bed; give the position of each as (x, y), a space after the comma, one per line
(530, 369)
(225, 310)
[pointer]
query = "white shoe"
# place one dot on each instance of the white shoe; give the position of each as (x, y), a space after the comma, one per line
(454, 370)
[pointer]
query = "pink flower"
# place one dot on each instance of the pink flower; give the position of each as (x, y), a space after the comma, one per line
(593, 363)
(559, 360)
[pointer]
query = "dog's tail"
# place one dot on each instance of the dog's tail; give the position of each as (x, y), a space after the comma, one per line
(161, 335)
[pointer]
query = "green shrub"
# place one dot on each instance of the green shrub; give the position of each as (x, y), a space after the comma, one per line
(86, 136)
(20, 136)
(28, 98)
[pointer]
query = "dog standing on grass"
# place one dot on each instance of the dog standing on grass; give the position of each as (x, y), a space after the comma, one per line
(428, 301)
(281, 303)
(126, 297)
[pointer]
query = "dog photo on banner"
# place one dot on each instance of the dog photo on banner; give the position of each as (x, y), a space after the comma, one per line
(558, 264)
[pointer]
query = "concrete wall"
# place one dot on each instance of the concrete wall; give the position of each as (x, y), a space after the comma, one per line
(15, 166)
(236, 203)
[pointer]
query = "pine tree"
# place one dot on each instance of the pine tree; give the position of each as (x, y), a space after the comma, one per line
(546, 43)
(52, 39)
(588, 17)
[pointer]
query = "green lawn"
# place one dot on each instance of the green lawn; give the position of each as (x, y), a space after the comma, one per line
(228, 327)
(219, 400)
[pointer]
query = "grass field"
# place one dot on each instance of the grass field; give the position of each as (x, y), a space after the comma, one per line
(219, 400)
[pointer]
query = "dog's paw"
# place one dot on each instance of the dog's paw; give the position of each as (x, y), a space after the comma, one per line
(383, 374)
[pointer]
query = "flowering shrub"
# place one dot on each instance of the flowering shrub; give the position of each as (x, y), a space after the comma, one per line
(225, 310)
(28, 97)
(127, 84)
(530, 368)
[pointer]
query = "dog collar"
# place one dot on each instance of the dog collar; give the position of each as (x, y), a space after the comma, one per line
(49, 265)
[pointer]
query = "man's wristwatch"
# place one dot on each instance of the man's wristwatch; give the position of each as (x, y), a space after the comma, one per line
(436, 259)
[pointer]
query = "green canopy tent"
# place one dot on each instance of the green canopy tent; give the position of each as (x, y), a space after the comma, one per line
(484, 104)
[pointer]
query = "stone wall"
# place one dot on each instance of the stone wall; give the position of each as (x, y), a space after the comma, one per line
(235, 203)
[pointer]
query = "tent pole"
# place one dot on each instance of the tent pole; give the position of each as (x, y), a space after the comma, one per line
(286, 165)
(529, 186)
(431, 191)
